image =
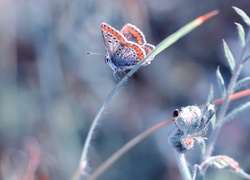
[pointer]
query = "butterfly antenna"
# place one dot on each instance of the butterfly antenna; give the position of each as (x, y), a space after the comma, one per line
(95, 53)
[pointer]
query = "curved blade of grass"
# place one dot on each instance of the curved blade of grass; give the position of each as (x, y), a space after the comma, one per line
(174, 37)
(159, 48)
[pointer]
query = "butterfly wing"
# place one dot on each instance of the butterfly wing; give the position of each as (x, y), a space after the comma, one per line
(128, 56)
(112, 38)
(134, 34)
(123, 54)
(148, 48)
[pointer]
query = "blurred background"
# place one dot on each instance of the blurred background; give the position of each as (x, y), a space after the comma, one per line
(50, 90)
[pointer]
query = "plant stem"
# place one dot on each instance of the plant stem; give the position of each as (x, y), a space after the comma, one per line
(83, 161)
(111, 160)
(226, 102)
(183, 166)
(222, 112)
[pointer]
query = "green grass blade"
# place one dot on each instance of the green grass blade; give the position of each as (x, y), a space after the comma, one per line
(173, 38)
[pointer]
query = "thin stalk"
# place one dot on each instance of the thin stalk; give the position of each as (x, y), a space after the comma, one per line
(234, 96)
(83, 161)
(183, 166)
(111, 160)
(223, 111)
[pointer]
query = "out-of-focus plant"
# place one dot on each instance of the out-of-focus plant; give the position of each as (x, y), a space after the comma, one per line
(163, 45)
(193, 122)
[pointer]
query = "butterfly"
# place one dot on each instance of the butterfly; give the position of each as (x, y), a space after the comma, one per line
(125, 48)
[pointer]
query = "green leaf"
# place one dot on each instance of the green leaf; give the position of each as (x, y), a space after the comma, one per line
(213, 121)
(243, 15)
(222, 162)
(241, 83)
(241, 33)
(221, 82)
(229, 56)
(246, 59)
(210, 95)
(225, 162)
(236, 111)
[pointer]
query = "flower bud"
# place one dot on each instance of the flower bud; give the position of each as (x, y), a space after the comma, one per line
(192, 124)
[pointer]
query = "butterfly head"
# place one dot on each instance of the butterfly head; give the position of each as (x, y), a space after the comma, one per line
(107, 60)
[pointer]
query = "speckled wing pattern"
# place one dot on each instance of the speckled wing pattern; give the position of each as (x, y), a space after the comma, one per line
(124, 48)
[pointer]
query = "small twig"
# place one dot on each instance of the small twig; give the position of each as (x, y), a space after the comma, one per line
(234, 96)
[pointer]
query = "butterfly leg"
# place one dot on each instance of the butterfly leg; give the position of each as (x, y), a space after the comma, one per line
(123, 72)
(115, 75)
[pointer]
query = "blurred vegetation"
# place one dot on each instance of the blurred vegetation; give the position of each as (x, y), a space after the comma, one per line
(50, 90)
